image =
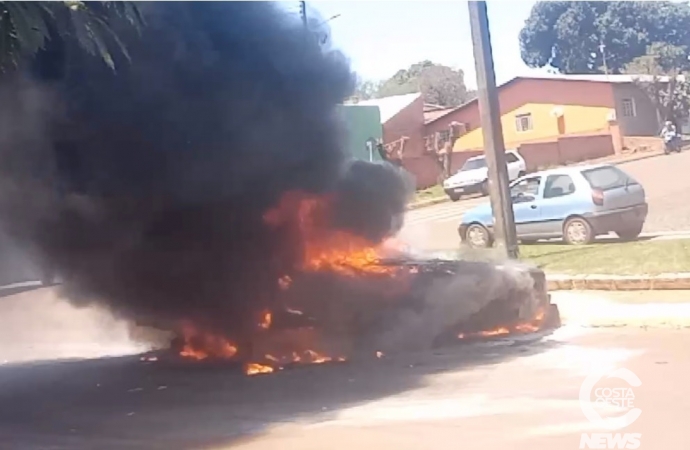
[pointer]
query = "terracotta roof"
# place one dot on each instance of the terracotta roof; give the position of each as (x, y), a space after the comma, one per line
(597, 78)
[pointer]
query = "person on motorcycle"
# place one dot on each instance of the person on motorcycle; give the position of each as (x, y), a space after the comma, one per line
(669, 135)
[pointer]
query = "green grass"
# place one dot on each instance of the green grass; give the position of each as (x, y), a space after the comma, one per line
(428, 193)
(606, 258)
(620, 258)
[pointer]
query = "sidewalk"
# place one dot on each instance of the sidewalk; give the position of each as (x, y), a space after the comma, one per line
(614, 159)
(596, 282)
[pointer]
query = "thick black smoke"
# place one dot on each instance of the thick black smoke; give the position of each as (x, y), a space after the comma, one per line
(145, 186)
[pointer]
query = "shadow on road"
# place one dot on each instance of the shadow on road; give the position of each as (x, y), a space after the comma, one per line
(123, 403)
(126, 403)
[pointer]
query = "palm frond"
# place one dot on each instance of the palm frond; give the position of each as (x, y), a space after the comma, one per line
(23, 30)
(26, 26)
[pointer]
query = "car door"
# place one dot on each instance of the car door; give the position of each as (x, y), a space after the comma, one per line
(559, 200)
(525, 194)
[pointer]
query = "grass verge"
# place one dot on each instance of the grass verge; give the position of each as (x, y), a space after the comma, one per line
(618, 258)
(428, 193)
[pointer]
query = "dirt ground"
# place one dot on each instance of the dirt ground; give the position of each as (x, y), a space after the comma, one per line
(509, 393)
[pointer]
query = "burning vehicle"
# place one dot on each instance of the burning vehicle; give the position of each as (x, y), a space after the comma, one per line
(202, 187)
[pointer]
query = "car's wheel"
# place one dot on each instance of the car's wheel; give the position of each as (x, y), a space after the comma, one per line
(577, 231)
(454, 197)
(630, 233)
(477, 236)
(484, 187)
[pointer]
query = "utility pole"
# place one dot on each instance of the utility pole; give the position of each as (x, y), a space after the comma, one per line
(492, 132)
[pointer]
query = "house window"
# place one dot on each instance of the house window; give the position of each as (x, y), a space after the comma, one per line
(443, 136)
(523, 122)
(628, 107)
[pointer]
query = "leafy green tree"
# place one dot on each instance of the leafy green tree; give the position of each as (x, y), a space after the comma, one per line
(26, 28)
(439, 84)
(593, 37)
(660, 71)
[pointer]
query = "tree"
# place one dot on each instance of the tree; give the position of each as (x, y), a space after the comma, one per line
(440, 145)
(439, 84)
(660, 69)
(366, 89)
(26, 28)
(594, 37)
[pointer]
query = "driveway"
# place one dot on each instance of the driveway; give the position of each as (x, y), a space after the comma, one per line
(666, 180)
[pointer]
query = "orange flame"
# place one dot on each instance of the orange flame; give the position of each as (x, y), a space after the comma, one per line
(524, 327)
(323, 246)
(266, 319)
(255, 369)
(200, 345)
(495, 332)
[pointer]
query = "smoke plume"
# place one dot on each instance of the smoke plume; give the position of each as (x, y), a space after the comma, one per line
(145, 187)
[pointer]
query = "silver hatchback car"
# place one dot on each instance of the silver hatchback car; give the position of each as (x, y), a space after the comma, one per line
(575, 203)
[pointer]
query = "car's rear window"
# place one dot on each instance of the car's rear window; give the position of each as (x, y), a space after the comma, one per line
(607, 177)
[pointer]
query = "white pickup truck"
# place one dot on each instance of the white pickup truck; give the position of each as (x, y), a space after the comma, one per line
(474, 175)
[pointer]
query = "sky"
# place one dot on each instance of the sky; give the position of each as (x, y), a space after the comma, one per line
(382, 37)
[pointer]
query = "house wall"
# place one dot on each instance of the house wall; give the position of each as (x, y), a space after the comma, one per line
(586, 106)
(645, 122)
(566, 150)
(409, 122)
(538, 155)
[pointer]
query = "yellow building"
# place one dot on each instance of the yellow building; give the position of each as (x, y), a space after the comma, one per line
(543, 109)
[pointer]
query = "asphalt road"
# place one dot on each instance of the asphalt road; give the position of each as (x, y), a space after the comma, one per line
(518, 394)
(666, 180)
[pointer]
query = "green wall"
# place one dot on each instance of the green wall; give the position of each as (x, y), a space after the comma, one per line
(363, 123)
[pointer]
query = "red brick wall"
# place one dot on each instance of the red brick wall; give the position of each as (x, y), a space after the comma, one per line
(426, 170)
(568, 149)
(408, 122)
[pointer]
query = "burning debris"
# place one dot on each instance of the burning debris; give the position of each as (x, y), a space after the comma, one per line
(202, 188)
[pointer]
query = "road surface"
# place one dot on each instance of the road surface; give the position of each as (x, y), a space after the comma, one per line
(665, 179)
(517, 394)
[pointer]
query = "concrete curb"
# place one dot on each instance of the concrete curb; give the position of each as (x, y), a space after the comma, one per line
(666, 281)
(445, 199)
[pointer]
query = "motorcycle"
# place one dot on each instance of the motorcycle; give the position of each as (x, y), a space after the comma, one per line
(671, 144)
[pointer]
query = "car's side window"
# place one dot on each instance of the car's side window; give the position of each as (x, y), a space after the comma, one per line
(511, 158)
(558, 186)
(527, 188)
